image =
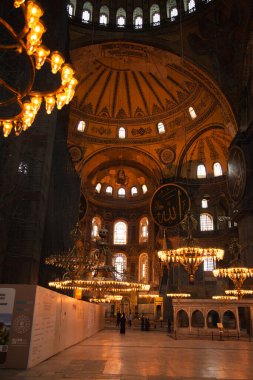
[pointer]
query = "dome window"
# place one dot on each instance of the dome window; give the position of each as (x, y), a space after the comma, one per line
(121, 17)
(201, 171)
(104, 15)
(161, 128)
(81, 126)
(70, 9)
(144, 189)
(108, 190)
(87, 12)
(134, 191)
(138, 18)
(98, 187)
(192, 113)
(121, 192)
(155, 15)
(122, 133)
(217, 169)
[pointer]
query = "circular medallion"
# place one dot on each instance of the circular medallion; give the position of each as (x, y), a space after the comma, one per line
(167, 156)
(236, 176)
(75, 153)
(169, 205)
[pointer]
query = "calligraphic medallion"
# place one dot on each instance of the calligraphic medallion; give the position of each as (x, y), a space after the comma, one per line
(236, 176)
(169, 205)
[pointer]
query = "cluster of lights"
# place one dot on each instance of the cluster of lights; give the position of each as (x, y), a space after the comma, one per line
(225, 298)
(178, 295)
(190, 257)
(100, 285)
(237, 274)
(154, 295)
(239, 293)
(106, 299)
(31, 44)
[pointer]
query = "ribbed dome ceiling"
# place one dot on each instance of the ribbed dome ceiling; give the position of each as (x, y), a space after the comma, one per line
(128, 81)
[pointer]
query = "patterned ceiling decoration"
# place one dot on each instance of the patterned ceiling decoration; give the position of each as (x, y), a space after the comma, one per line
(128, 81)
(137, 86)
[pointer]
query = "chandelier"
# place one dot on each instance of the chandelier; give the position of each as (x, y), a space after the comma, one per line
(106, 299)
(225, 298)
(239, 293)
(189, 255)
(91, 271)
(237, 272)
(24, 64)
(178, 295)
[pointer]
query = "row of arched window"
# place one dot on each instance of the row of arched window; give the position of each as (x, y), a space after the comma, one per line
(122, 132)
(121, 192)
(217, 170)
(120, 230)
(119, 262)
(154, 13)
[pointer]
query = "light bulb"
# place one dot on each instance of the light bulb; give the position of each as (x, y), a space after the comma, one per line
(50, 102)
(42, 52)
(57, 61)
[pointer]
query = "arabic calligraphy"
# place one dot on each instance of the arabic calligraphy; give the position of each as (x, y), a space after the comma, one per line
(236, 174)
(169, 205)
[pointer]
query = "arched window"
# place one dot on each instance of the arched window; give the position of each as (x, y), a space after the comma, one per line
(143, 268)
(201, 171)
(87, 12)
(172, 11)
(119, 262)
(98, 187)
(192, 113)
(161, 128)
(120, 233)
(121, 17)
(81, 126)
(95, 227)
(104, 15)
(206, 222)
(71, 8)
(155, 14)
(209, 264)
(122, 133)
(121, 192)
(134, 191)
(144, 189)
(138, 18)
(189, 5)
(217, 169)
(108, 190)
(204, 203)
(143, 230)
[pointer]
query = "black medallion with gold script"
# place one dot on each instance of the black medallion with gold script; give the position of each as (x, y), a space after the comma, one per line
(236, 175)
(169, 205)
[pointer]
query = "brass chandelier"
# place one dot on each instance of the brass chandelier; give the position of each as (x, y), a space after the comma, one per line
(189, 255)
(91, 271)
(237, 272)
(22, 57)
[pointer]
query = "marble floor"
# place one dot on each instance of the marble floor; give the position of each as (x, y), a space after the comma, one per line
(144, 355)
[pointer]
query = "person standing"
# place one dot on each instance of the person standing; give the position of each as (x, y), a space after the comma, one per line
(130, 319)
(118, 318)
(122, 324)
